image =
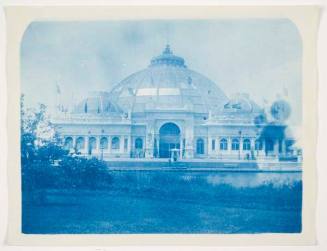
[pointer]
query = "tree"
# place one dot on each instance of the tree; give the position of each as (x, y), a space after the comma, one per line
(41, 146)
(38, 136)
(28, 138)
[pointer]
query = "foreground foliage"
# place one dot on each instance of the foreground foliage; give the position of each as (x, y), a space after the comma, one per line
(44, 161)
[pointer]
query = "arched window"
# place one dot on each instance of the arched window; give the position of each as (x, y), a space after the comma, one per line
(258, 145)
(104, 143)
(85, 107)
(125, 144)
(92, 143)
(200, 146)
(235, 144)
(138, 143)
(115, 143)
(68, 143)
(223, 144)
(80, 143)
(246, 144)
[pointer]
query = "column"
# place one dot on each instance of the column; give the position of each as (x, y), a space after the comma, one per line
(129, 146)
(189, 147)
(252, 140)
(127, 142)
(109, 144)
(74, 143)
(276, 144)
(157, 136)
(218, 150)
(264, 147)
(229, 146)
(121, 144)
(149, 140)
(86, 147)
(98, 144)
(241, 148)
(209, 144)
(253, 151)
(181, 148)
(283, 147)
(149, 146)
(189, 143)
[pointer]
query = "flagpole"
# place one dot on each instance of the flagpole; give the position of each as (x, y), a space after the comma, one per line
(58, 95)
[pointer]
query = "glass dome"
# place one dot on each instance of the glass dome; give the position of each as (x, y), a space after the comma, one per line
(167, 84)
(97, 103)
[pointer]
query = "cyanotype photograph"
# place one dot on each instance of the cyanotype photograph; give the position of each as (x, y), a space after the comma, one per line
(161, 126)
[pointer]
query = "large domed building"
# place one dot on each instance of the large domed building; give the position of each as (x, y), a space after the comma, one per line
(168, 109)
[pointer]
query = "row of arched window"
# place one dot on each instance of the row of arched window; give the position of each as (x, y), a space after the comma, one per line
(223, 145)
(104, 143)
(138, 144)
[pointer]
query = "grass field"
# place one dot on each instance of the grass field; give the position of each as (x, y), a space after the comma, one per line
(170, 202)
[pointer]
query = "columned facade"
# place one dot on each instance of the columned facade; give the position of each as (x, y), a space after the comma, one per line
(168, 109)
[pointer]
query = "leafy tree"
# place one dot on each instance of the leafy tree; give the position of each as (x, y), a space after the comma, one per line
(41, 147)
(38, 137)
(28, 136)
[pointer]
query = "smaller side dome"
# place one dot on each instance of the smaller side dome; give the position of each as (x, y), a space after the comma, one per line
(241, 103)
(241, 109)
(97, 103)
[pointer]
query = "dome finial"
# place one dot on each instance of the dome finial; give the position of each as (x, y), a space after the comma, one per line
(167, 58)
(167, 50)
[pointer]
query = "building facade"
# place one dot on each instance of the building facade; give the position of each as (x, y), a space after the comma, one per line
(169, 109)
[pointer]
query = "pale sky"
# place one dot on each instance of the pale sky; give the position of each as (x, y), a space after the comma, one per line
(261, 57)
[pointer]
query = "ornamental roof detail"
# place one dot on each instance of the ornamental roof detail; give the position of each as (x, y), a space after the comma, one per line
(168, 58)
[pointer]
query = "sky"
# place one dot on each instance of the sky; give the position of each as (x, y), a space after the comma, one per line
(261, 57)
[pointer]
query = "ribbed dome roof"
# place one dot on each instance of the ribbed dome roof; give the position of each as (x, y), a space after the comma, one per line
(97, 103)
(167, 84)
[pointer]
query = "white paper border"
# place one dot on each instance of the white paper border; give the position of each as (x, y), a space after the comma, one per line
(307, 27)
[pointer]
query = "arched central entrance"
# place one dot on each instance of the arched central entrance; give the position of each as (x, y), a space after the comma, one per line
(169, 139)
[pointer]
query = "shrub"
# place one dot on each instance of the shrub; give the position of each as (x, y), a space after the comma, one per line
(70, 173)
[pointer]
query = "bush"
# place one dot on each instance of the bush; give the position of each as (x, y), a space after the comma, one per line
(70, 173)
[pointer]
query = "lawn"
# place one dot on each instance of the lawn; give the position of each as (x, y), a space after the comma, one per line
(170, 202)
